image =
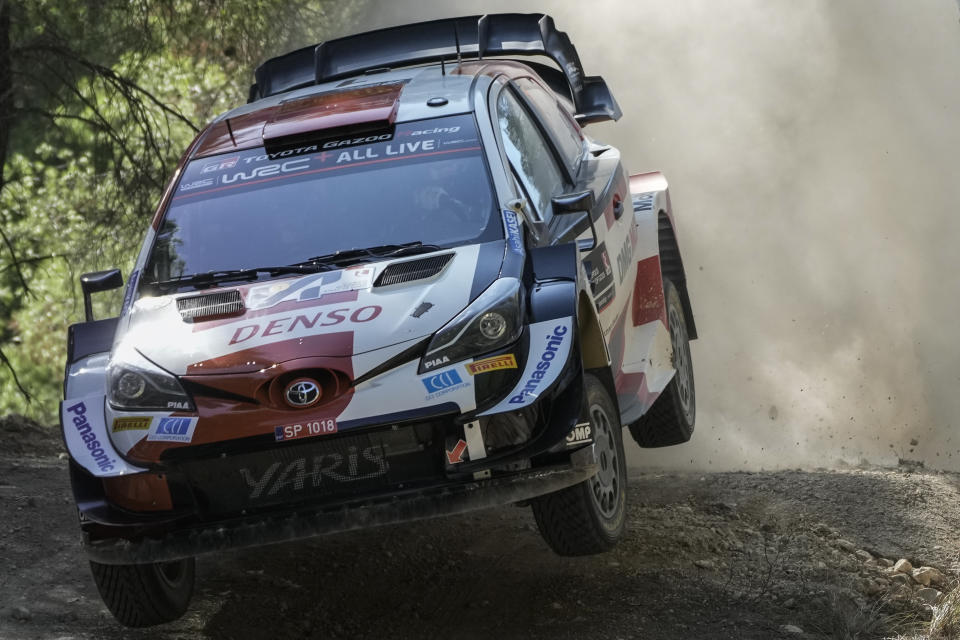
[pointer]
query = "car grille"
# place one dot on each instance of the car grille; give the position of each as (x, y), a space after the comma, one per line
(321, 468)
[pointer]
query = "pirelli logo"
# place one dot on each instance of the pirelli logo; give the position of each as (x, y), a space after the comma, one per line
(492, 364)
(131, 424)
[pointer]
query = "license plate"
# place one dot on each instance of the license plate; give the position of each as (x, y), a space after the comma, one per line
(306, 429)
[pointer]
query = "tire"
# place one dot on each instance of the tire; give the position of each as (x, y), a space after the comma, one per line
(672, 417)
(588, 517)
(144, 595)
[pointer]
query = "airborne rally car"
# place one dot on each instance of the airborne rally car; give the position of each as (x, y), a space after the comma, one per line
(400, 282)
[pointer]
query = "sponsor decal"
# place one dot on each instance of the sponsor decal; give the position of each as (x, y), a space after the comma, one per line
(554, 342)
(401, 149)
(643, 201)
(495, 363)
(196, 184)
(434, 131)
(443, 383)
(600, 275)
(306, 429)
(435, 362)
(580, 434)
(310, 472)
(289, 324)
(349, 142)
(514, 237)
(265, 171)
(85, 430)
(131, 424)
(173, 429)
(456, 456)
(221, 164)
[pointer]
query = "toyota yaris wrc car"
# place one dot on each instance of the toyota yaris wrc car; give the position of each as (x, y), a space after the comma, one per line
(400, 282)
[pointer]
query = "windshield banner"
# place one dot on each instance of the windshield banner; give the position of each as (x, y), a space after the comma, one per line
(423, 140)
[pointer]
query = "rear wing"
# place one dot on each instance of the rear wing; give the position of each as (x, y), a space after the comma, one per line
(502, 34)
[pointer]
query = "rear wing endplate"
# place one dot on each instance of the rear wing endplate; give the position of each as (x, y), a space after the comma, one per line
(503, 34)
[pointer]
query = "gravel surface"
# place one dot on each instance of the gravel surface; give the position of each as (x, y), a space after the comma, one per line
(793, 554)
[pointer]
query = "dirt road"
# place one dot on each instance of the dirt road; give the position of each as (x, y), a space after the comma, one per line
(734, 555)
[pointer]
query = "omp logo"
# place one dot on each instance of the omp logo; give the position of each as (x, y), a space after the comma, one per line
(84, 428)
(580, 434)
(358, 464)
(554, 341)
(441, 381)
(268, 170)
(492, 364)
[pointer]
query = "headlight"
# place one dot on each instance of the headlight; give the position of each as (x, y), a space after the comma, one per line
(136, 384)
(493, 320)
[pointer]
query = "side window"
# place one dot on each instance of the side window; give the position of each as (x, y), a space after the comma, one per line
(528, 153)
(566, 136)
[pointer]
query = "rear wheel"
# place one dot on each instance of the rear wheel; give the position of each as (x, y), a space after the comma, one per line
(588, 518)
(144, 595)
(671, 418)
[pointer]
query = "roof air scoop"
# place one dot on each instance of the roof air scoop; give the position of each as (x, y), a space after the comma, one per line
(359, 110)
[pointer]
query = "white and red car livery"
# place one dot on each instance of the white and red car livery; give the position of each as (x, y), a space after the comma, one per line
(400, 282)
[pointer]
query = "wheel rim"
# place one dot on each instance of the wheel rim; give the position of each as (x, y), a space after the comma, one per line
(681, 360)
(605, 484)
(172, 573)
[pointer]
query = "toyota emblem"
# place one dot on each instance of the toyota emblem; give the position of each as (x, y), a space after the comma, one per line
(302, 393)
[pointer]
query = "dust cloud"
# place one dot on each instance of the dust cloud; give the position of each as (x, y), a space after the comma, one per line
(812, 150)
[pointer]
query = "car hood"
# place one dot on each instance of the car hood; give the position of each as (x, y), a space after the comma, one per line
(331, 314)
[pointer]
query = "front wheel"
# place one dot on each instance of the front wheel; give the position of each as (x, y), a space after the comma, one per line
(588, 517)
(144, 595)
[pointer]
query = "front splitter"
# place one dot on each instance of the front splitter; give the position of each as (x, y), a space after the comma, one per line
(263, 530)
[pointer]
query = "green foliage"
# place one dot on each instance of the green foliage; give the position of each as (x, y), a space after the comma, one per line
(94, 134)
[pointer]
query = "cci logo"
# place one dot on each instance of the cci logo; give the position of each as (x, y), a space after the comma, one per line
(174, 426)
(441, 381)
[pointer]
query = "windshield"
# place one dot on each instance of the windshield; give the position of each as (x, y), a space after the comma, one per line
(426, 181)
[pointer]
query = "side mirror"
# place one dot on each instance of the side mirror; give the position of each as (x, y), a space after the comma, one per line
(98, 281)
(579, 202)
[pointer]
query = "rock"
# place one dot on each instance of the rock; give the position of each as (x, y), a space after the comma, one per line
(901, 578)
(863, 555)
(846, 545)
(557, 606)
(790, 628)
(62, 456)
(921, 577)
(705, 564)
(929, 595)
(928, 575)
(884, 562)
(790, 603)
(18, 613)
(903, 566)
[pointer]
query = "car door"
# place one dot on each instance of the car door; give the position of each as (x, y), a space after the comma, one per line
(608, 264)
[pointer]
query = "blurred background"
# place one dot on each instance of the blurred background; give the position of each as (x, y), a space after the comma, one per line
(811, 148)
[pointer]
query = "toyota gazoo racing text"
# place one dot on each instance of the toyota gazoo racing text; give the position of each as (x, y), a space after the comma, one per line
(400, 282)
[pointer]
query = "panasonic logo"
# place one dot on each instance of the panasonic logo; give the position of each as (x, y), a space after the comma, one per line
(97, 452)
(554, 341)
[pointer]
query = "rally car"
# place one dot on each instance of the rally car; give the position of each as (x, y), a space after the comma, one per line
(400, 282)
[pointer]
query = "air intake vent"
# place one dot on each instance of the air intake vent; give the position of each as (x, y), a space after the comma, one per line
(411, 270)
(210, 305)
